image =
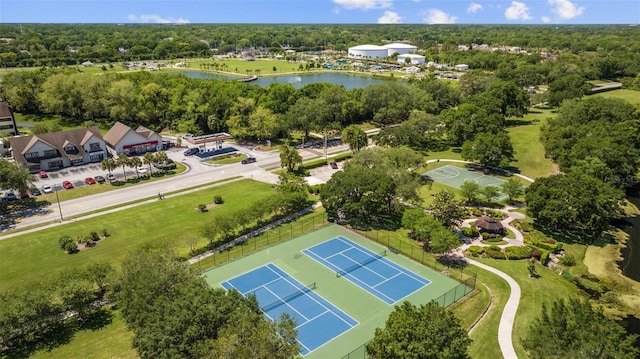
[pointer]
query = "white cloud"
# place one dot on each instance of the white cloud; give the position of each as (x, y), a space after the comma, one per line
(546, 19)
(517, 11)
(435, 16)
(157, 19)
(473, 8)
(364, 4)
(565, 9)
(390, 17)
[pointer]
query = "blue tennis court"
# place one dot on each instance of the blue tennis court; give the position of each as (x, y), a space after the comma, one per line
(318, 320)
(371, 271)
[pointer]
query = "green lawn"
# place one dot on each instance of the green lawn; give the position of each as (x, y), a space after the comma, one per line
(628, 95)
(535, 292)
(227, 160)
(527, 148)
(175, 220)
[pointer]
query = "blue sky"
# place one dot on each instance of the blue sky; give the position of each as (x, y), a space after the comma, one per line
(322, 11)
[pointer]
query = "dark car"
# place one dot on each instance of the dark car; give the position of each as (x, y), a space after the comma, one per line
(248, 160)
(100, 179)
(333, 165)
(191, 151)
(34, 191)
(10, 196)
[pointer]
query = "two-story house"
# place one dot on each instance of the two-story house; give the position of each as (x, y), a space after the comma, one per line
(7, 121)
(50, 151)
(122, 139)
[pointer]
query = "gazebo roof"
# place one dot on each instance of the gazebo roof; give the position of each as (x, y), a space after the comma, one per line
(489, 224)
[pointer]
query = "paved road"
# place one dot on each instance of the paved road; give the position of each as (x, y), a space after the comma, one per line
(505, 329)
(198, 173)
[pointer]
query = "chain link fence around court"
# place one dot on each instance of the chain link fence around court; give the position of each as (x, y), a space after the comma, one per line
(275, 234)
(467, 281)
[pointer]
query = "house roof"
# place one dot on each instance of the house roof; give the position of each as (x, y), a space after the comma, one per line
(116, 133)
(147, 133)
(58, 140)
(5, 110)
(489, 224)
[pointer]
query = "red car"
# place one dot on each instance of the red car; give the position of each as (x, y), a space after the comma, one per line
(43, 174)
(90, 180)
(67, 185)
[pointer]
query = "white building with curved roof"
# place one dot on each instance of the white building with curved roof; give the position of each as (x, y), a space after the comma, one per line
(413, 59)
(399, 48)
(368, 52)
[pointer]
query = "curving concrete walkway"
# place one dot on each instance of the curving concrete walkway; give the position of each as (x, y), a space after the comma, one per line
(505, 329)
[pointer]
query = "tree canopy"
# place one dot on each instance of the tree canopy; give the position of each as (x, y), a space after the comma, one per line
(427, 331)
(572, 329)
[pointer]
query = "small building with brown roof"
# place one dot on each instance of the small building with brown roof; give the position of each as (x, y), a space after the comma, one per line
(55, 150)
(7, 120)
(489, 224)
(122, 139)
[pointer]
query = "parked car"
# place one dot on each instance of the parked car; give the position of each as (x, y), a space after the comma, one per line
(47, 189)
(111, 177)
(248, 160)
(191, 151)
(100, 179)
(24, 195)
(67, 184)
(43, 174)
(333, 165)
(34, 191)
(10, 196)
(142, 170)
(89, 180)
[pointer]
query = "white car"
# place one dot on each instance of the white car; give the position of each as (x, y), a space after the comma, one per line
(47, 189)
(142, 170)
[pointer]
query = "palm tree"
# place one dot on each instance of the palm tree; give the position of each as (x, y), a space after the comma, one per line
(109, 164)
(149, 159)
(289, 157)
(135, 162)
(123, 161)
(161, 157)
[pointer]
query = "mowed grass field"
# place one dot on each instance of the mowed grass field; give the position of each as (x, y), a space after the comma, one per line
(29, 256)
(627, 95)
(528, 150)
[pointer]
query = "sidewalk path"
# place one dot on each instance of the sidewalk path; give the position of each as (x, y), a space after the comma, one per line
(505, 329)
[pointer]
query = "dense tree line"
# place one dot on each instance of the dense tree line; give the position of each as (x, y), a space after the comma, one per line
(606, 51)
(173, 313)
(596, 143)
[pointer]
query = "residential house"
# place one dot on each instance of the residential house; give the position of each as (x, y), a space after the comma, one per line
(122, 139)
(55, 150)
(7, 120)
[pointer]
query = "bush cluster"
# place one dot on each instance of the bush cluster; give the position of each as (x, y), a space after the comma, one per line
(69, 245)
(515, 253)
(470, 232)
(217, 199)
(494, 252)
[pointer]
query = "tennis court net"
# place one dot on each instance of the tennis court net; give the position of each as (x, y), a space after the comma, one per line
(371, 259)
(283, 300)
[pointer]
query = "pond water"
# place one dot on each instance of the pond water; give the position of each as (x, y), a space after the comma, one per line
(630, 264)
(349, 81)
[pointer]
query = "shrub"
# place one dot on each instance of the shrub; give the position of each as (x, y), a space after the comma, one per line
(485, 235)
(476, 212)
(315, 189)
(551, 241)
(515, 253)
(202, 208)
(217, 199)
(105, 234)
(94, 236)
(494, 252)
(536, 254)
(169, 166)
(526, 227)
(470, 232)
(568, 260)
(475, 251)
(67, 244)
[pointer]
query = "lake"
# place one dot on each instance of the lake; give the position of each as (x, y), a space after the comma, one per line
(349, 81)
(630, 264)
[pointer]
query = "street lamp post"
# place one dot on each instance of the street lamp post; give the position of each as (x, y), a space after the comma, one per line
(59, 207)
